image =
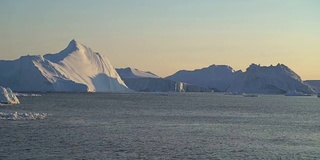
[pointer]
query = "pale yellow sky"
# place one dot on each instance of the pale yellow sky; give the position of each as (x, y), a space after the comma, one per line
(169, 35)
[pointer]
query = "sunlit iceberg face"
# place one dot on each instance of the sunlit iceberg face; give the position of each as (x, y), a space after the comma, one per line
(77, 68)
(7, 96)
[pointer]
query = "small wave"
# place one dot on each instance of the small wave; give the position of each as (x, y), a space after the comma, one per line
(27, 95)
(23, 116)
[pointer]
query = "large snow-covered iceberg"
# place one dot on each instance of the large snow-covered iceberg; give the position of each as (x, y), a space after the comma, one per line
(141, 81)
(278, 79)
(75, 69)
(256, 79)
(7, 96)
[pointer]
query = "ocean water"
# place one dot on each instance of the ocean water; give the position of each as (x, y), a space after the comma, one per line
(162, 126)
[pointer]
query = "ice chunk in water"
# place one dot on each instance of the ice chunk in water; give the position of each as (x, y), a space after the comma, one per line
(22, 116)
(7, 96)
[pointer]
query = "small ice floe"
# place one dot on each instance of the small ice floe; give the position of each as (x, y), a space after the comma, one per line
(251, 95)
(7, 96)
(233, 93)
(27, 95)
(22, 116)
(296, 93)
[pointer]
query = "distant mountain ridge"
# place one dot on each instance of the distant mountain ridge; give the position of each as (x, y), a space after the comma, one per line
(75, 69)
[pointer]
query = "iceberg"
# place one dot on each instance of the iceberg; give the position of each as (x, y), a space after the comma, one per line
(251, 95)
(77, 68)
(7, 96)
(278, 79)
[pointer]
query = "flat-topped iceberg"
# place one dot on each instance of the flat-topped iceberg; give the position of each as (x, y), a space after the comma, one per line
(7, 96)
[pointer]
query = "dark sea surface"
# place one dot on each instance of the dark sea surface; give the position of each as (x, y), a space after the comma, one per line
(162, 126)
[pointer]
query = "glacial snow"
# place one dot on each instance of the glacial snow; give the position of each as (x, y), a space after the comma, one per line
(75, 69)
(7, 96)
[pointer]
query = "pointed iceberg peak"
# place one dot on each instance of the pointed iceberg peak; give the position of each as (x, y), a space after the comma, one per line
(73, 46)
(73, 42)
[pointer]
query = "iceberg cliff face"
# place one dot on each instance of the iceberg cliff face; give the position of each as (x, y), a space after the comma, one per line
(75, 69)
(149, 82)
(216, 77)
(270, 80)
